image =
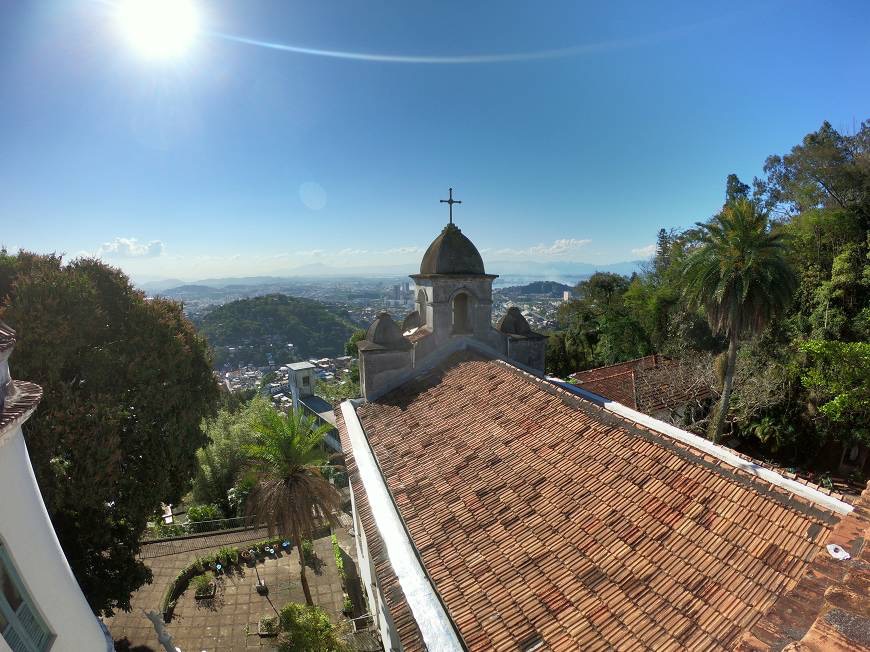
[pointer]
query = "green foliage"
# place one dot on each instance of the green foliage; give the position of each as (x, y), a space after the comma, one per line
(741, 277)
(291, 495)
(220, 463)
(336, 392)
(270, 322)
(840, 372)
(202, 584)
(789, 402)
(308, 629)
(126, 384)
(200, 513)
(339, 558)
(350, 346)
(740, 273)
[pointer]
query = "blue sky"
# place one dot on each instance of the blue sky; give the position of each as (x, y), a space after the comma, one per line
(236, 159)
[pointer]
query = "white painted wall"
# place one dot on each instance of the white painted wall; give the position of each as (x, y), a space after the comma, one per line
(30, 540)
(380, 613)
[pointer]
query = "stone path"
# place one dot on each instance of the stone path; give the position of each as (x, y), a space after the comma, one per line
(229, 622)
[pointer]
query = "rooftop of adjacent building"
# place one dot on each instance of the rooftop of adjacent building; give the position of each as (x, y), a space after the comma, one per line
(538, 516)
(18, 398)
(647, 384)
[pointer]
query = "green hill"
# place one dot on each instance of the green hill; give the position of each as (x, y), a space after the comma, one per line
(254, 330)
(537, 288)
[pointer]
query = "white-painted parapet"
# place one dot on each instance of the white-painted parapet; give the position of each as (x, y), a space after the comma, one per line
(706, 446)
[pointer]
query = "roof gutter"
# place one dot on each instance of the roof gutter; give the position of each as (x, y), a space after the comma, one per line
(435, 625)
(720, 452)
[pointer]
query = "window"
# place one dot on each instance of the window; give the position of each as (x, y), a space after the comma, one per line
(461, 322)
(305, 381)
(20, 625)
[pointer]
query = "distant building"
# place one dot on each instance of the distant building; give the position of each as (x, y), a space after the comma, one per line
(41, 605)
(300, 378)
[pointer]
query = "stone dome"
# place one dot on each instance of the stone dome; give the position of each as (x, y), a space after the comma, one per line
(384, 333)
(412, 321)
(452, 253)
(513, 323)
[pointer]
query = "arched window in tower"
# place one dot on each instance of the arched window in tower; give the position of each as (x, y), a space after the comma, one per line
(421, 306)
(461, 317)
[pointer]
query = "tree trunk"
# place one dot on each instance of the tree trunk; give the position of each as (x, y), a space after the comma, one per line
(302, 578)
(722, 412)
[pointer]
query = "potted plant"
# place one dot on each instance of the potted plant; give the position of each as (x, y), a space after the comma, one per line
(204, 586)
(268, 626)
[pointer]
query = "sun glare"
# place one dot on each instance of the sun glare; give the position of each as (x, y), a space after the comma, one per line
(159, 29)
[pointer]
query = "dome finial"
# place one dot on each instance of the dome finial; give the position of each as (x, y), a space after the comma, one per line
(450, 203)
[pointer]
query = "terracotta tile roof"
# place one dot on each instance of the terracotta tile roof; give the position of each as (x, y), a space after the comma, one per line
(418, 335)
(538, 515)
(19, 402)
(645, 384)
(829, 609)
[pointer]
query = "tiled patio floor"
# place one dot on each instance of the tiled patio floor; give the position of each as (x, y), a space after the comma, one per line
(221, 624)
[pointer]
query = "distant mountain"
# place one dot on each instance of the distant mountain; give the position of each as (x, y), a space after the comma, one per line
(273, 321)
(534, 270)
(537, 288)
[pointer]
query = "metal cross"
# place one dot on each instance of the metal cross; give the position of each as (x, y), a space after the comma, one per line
(450, 202)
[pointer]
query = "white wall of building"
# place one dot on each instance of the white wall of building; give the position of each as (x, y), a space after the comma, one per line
(27, 534)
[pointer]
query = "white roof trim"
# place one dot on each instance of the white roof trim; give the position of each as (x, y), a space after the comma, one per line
(432, 619)
(708, 447)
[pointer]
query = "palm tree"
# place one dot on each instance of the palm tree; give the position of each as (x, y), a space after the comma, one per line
(740, 276)
(290, 493)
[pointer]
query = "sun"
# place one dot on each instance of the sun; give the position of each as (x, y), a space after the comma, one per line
(159, 29)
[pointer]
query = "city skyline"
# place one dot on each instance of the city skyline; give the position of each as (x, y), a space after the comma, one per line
(286, 137)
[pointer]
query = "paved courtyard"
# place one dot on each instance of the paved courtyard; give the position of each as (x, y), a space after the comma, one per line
(229, 621)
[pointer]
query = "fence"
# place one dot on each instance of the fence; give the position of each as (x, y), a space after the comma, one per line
(162, 531)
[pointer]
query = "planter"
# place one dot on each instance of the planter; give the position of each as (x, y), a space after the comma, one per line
(206, 595)
(268, 627)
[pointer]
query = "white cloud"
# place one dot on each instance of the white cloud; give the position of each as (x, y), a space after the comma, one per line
(402, 250)
(311, 252)
(644, 252)
(560, 247)
(351, 252)
(130, 248)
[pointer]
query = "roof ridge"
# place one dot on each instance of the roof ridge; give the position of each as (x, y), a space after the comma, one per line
(634, 419)
(615, 364)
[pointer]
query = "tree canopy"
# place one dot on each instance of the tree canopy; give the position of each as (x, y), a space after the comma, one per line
(126, 384)
(799, 392)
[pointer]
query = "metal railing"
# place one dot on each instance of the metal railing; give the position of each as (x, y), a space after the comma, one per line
(162, 531)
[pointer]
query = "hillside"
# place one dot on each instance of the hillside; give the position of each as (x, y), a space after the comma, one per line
(537, 288)
(254, 330)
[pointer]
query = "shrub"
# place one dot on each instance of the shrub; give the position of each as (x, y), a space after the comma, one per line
(201, 513)
(202, 584)
(308, 629)
(339, 559)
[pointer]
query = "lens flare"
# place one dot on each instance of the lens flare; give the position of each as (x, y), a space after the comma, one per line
(159, 29)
